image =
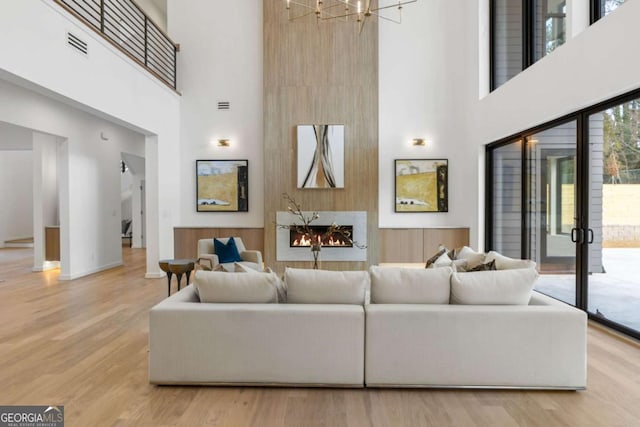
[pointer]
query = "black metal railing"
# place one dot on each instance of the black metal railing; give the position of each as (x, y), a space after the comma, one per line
(124, 24)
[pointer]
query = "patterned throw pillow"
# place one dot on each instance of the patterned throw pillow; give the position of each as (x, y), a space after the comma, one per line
(434, 258)
(491, 265)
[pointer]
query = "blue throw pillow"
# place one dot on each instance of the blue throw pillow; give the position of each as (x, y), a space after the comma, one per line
(226, 252)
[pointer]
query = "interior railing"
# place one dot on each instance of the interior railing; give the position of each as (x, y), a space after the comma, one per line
(124, 24)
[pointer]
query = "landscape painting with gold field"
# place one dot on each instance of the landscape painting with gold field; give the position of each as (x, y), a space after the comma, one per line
(222, 185)
(421, 185)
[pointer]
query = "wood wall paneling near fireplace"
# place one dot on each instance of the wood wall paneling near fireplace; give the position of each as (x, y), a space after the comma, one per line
(411, 245)
(324, 73)
(185, 239)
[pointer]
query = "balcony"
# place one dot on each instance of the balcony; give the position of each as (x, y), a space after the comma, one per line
(128, 28)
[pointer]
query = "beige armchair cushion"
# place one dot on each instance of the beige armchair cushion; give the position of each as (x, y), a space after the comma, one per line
(208, 259)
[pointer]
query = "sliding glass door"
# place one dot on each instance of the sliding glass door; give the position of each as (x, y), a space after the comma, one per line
(614, 214)
(552, 209)
(567, 195)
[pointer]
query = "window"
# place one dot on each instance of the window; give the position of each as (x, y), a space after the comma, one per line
(601, 8)
(522, 32)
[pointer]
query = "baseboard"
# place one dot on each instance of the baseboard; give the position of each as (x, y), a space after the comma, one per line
(159, 275)
(92, 271)
(46, 266)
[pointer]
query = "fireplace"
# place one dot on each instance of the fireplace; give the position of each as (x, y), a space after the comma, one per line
(299, 240)
(334, 248)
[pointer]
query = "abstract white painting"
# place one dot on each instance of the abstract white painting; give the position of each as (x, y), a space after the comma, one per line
(321, 156)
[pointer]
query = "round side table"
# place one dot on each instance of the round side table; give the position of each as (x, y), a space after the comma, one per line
(164, 266)
(180, 267)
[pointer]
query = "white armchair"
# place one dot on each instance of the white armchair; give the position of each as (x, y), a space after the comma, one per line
(208, 259)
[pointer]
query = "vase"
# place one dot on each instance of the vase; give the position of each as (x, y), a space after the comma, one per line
(315, 251)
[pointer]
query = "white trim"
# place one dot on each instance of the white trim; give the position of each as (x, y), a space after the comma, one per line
(151, 275)
(46, 266)
(92, 271)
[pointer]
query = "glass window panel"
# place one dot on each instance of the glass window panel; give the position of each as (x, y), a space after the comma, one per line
(550, 26)
(551, 188)
(507, 199)
(608, 6)
(507, 40)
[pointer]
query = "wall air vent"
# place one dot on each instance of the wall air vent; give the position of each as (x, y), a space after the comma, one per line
(77, 43)
(224, 105)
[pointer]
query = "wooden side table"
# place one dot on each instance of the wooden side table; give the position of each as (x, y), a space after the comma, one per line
(177, 267)
(180, 267)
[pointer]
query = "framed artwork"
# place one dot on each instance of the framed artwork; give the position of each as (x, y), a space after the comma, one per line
(422, 185)
(320, 156)
(222, 185)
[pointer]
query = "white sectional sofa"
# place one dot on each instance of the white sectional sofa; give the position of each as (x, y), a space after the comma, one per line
(328, 334)
(540, 345)
(260, 343)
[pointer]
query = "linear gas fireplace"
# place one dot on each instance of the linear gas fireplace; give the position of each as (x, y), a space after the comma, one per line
(294, 246)
(299, 240)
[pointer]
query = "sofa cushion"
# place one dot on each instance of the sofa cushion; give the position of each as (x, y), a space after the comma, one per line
(506, 287)
(325, 287)
(227, 252)
(506, 263)
(395, 285)
(280, 288)
(220, 287)
(473, 258)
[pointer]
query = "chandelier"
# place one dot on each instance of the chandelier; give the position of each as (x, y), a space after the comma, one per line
(345, 10)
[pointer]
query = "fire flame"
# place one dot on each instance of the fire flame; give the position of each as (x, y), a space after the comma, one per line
(306, 241)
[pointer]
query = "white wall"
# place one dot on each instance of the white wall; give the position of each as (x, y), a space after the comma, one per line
(45, 196)
(90, 181)
(220, 60)
(595, 65)
(126, 193)
(155, 11)
(16, 191)
(425, 83)
(107, 84)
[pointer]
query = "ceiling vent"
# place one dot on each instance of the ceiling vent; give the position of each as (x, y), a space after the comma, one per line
(77, 43)
(224, 105)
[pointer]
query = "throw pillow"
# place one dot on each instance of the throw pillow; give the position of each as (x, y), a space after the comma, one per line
(219, 287)
(506, 263)
(394, 285)
(227, 252)
(326, 287)
(280, 288)
(473, 258)
(434, 258)
(506, 287)
(491, 265)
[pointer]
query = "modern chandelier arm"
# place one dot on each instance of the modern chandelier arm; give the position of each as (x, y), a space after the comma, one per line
(396, 5)
(388, 19)
(360, 10)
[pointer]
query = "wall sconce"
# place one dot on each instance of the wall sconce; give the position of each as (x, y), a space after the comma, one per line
(224, 142)
(418, 142)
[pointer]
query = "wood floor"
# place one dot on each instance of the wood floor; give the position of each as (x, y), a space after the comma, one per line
(83, 344)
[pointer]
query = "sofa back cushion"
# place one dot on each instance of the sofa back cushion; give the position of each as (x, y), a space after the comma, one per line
(391, 285)
(498, 287)
(220, 287)
(506, 263)
(325, 287)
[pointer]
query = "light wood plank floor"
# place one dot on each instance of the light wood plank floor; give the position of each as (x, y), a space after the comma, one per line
(83, 344)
